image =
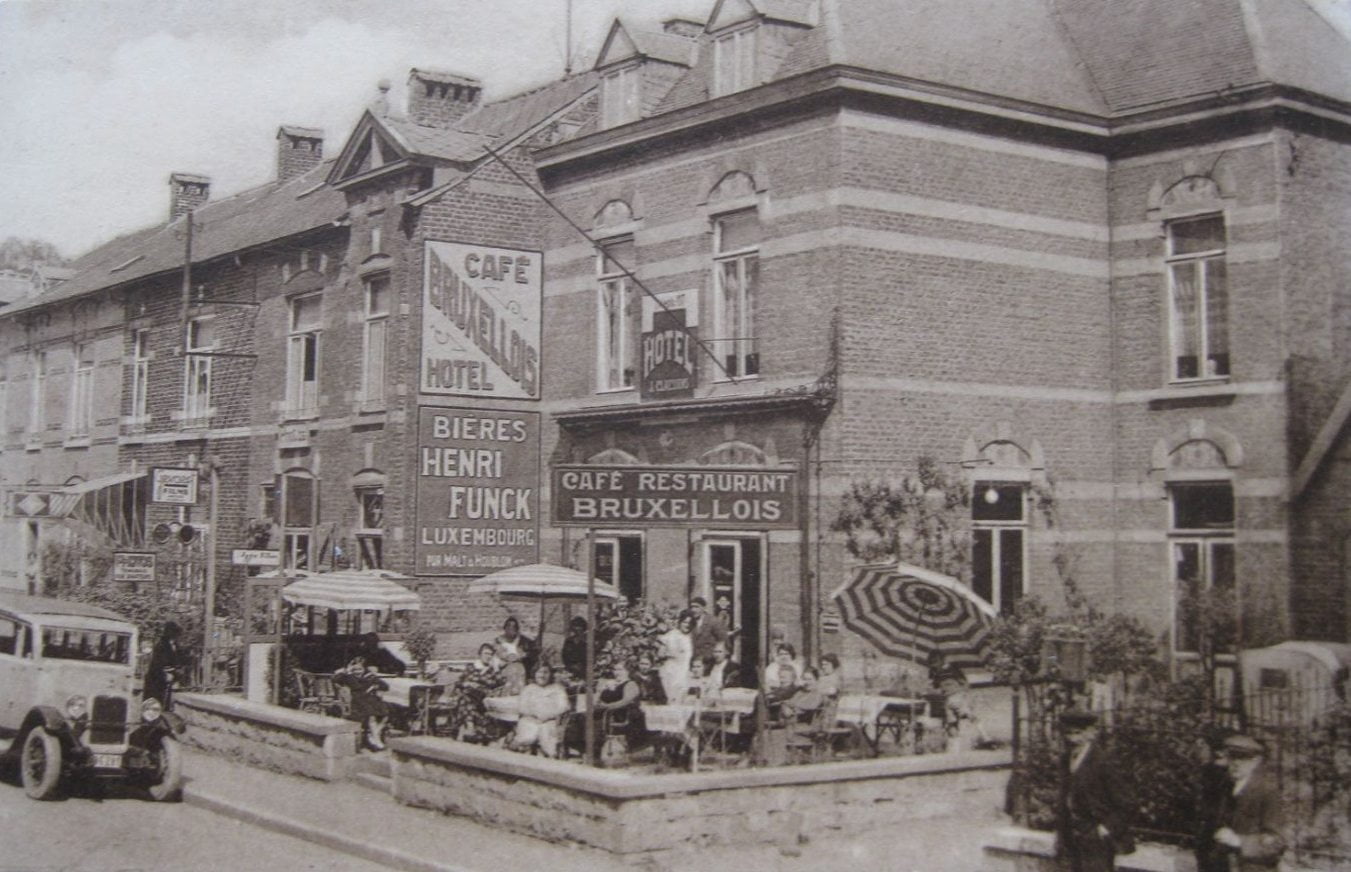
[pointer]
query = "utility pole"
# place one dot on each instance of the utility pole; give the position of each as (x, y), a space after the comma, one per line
(567, 41)
(212, 464)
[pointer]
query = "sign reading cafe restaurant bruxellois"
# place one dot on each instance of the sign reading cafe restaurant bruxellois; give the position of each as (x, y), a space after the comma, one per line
(481, 321)
(675, 496)
(477, 490)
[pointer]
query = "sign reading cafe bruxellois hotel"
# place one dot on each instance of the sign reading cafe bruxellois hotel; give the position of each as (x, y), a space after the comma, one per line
(481, 321)
(477, 490)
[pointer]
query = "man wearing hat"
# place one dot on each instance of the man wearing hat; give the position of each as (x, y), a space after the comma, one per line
(708, 630)
(1098, 808)
(1249, 817)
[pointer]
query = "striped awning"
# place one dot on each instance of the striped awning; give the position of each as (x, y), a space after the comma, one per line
(351, 590)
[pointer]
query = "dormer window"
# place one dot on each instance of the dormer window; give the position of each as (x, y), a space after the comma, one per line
(621, 100)
(734, 62)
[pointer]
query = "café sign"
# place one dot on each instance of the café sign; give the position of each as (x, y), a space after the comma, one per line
(477, 490)
(481, 321)
(675, 496)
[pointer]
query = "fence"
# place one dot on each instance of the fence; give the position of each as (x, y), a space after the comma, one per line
(1161, 741)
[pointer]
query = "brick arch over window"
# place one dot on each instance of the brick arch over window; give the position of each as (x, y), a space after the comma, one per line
(735, 185)
(615, 213)
(998, 451)
(614, 457)
(734, 452)
(1197, 188)
(1197, 446)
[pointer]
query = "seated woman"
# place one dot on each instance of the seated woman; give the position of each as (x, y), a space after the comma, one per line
(650, 688)
(698, 686)
(781, 676)
(468, 719)
(368, 707)
(517, 654)
(542, 704)
(801, 708)
(829, 685)
(618, 705)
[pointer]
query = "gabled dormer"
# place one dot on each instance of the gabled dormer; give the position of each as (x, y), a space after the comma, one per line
(372, 150)
(637, 68)
(749, 39)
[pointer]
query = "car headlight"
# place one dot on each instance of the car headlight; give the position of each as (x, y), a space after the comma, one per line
(76, 707)
(151, 710)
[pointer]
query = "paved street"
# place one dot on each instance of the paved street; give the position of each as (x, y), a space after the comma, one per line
(123, 833)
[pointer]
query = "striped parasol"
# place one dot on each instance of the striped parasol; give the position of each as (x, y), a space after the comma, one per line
(909, 611)
(351, 590)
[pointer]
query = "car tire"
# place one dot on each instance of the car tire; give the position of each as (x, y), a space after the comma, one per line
(40, 764)
(168, 785)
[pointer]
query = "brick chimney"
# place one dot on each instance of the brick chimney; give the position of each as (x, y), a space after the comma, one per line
(439, 99)
(186, 192)
(299, 149)
(687, 27)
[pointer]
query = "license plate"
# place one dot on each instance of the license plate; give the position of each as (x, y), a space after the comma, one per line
(108, 761)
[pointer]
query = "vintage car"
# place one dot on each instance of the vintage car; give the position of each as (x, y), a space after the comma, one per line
(66, 701)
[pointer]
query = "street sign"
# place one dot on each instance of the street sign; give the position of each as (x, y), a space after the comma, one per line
(134, 566)
(173, 486)
(39, 504)
(255, 557)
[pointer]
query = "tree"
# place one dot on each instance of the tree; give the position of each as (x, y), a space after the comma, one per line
(27, 254)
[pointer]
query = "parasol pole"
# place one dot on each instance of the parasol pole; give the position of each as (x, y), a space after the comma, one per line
(589, 731)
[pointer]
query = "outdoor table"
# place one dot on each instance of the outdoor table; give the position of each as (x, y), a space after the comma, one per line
(503, 708)
(400, 691)
(880, 714)
(721, 714)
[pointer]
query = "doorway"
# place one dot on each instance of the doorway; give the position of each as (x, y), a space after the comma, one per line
(731, 579)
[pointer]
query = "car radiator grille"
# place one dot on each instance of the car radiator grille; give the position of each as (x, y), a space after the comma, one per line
(108, 720)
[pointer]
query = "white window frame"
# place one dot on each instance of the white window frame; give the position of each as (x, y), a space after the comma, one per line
(302, 358)
(621, 96)
(734, 61)
(298, 540)
(1205, 541)
(140, 378)
(374, 340)
(736, 343)
(996, 528)
(197, 371)
(616, 355)
(1211, 364)
(370, 532)
(37, 393)
(81, 390)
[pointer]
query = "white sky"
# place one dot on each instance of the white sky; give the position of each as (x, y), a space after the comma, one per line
(101, 99)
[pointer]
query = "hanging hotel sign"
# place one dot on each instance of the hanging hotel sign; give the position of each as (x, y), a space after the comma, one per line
(481, 321)
(477, 490)
(172, 486)
(675, 496)
(669, 351)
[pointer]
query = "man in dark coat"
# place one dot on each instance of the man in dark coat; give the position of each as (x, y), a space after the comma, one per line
(165, 660)
(722, 669)
(708, 630)
(573, 654)
(1095, 823)
(1249, 817)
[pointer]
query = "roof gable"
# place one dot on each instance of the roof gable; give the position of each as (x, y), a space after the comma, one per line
(623, 43)
(729, 12)
(371, 147)
(618, 46)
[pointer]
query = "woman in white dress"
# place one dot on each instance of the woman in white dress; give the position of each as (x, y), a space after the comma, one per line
(677, 648)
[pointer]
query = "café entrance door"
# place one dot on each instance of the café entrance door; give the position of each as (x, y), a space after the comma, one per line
(731, 580)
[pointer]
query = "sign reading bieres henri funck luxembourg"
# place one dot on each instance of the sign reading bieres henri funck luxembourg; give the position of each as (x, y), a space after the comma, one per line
(675, 496)
(477, 490)
(481, 321)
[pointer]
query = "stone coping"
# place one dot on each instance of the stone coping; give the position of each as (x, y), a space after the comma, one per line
(265, 713)
(617, 784)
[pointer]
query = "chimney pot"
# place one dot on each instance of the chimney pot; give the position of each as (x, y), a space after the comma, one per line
(439, 99)
(187, 191)
(299, 149)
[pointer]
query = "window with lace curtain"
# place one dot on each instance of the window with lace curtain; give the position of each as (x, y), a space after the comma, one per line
(1199, 298)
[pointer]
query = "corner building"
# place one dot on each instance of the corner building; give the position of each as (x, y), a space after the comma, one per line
(1094, 270)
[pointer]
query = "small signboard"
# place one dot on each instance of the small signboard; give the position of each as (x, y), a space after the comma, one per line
(669, 351)
(675, 496)
(133, 566)
(255, 557)
(173, 486)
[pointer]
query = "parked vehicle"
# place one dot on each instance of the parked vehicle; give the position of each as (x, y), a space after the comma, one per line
(66, 701)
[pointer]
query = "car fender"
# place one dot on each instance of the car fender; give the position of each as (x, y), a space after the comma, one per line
(51, 720)
(147, 736)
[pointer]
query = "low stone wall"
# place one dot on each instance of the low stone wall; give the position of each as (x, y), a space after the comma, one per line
(631, 813)
(269, 736)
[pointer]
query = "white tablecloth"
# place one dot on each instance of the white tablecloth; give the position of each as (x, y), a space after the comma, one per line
(864, 709)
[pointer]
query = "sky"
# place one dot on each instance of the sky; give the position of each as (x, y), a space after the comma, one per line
(100, 100)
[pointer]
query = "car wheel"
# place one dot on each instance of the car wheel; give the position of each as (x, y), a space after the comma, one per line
(168, 783)
(40, 764)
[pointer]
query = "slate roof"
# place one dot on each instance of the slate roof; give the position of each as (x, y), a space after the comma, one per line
(663, 46)
(1100, 57)
(254, 217)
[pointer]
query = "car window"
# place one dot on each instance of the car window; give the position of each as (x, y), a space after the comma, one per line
(9, 636)
(102, 646)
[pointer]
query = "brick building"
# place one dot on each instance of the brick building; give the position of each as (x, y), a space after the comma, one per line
(1084, 254)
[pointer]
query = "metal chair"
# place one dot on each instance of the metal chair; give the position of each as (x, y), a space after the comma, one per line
(319, 695)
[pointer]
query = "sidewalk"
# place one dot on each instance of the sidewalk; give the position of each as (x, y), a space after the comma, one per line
(366, 823)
